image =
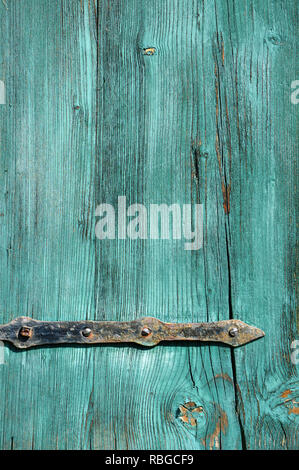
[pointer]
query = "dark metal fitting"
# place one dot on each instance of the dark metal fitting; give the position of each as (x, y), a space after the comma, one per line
(146, 331)
(232, 332)
(86, 332)
(26, 332)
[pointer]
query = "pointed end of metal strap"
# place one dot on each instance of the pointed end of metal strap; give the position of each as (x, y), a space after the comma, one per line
(241, 333)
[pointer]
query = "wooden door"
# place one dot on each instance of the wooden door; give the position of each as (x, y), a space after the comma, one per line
(161, 101)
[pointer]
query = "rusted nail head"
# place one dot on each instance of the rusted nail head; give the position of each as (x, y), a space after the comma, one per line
(86, 332)
(232, 332)
(25, 332)
(146, 331)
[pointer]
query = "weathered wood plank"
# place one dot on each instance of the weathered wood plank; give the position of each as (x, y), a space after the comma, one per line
(48, 62)
(156, 130)
(255, 79)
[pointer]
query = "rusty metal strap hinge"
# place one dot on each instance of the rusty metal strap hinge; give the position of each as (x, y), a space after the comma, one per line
(24, 332)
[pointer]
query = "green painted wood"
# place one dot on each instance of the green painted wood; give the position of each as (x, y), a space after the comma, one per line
(206, 119)
(47, 250)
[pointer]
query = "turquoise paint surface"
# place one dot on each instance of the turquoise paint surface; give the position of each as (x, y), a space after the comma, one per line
(206, 119)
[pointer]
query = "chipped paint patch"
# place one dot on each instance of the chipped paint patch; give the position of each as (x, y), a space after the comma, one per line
(190, 412)
(294, 410)
(286, 393)
(224, 376)
(213, 440)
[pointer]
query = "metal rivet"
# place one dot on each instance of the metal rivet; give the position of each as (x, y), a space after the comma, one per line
(146, 331)
(25, 332)
(86, 332)
(232, 332)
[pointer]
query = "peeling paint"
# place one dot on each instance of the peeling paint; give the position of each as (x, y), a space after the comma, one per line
(213, 440)
(294, 410)
(286, 393)
(187, 411)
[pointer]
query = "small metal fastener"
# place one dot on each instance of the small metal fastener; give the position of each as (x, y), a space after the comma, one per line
(146, 331)
(232, 332)
(86, 332)
(25, 332)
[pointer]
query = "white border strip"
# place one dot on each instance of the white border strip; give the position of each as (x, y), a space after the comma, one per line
(2, 92)
(2, 349)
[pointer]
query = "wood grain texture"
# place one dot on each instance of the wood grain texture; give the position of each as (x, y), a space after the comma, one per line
(207, 118)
